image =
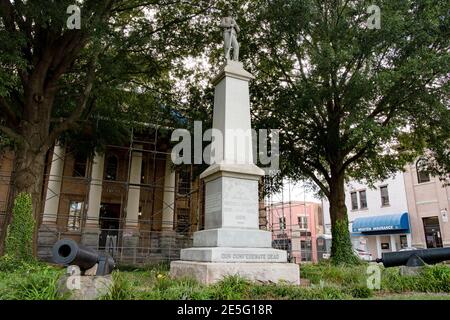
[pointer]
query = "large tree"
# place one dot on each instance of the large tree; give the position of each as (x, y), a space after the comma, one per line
(346, 97)
(54, 78)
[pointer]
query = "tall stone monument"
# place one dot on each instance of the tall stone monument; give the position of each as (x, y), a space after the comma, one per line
(232, 243)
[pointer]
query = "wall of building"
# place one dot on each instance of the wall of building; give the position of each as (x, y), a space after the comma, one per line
(426, 199)
(397, 198)
(289, 213)
(6, 167)
(398, 204)
(142, 172)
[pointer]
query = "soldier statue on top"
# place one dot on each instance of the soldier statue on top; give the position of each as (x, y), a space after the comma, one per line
(231, 29)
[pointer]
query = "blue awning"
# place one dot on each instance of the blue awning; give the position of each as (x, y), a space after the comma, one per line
(390, 222)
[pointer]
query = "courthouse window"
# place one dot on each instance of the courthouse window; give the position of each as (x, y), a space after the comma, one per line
(75, 210)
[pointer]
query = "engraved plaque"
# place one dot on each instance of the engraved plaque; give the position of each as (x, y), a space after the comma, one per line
(240, 203)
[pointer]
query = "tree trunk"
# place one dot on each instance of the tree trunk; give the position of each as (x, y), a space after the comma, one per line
(27, 177)
(341, 248)
(29, 166)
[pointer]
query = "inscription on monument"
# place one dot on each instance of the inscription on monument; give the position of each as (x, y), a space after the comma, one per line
(213, 202)
(240, 205)
(249, 256)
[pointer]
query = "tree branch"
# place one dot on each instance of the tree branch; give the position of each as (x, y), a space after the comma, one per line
(76, 115)
(12, 134)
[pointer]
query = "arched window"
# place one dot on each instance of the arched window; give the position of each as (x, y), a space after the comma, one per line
(423, 175)
(111, 167)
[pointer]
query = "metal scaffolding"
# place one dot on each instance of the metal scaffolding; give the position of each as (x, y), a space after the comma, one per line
(287, 233)
(155, 244)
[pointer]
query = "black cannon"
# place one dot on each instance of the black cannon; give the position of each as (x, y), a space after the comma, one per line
(414, 258)
(67, 252)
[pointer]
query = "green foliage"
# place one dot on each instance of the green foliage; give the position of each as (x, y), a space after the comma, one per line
(340, 275)
(121, 288)
(287, 292)
(19, 239)
(231, 288)
(360, 292)
(10, 263)
(435, 278)
(30, 282)
(344, 96)
(327, 282)
(160, 267)
(341, 247)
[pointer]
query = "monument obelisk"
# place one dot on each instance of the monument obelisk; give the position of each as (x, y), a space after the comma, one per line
(232, 243)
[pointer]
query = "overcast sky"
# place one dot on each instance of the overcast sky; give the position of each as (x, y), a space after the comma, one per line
(297, 193)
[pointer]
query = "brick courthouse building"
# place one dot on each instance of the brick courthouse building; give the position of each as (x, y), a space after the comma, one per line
(128, 200)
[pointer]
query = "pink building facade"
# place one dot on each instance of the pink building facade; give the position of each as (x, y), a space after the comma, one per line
(428, 203)
(295, 226)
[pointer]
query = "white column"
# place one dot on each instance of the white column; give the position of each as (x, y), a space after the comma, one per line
(51, 206)
(95, 190)
(169, 196)
(393, 244)
(409, 240)
(134, 191)
(378, 239)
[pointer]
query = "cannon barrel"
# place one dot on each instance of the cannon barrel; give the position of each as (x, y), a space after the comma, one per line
(411, 257)
(67, 252)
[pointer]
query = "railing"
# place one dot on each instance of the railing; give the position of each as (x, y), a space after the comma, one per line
(140, 247)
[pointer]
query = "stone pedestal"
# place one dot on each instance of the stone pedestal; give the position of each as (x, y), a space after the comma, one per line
(209, 273)
(232, 243)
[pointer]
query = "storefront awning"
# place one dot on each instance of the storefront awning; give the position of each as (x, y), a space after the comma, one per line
(390, 222)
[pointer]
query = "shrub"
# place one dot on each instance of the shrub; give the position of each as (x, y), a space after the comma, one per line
(8, 263)
(19, 239)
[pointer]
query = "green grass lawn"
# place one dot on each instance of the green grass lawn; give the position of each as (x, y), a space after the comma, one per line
(319, 282)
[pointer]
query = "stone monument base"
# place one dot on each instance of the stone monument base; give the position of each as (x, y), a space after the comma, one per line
(234, 255)
(212, 272)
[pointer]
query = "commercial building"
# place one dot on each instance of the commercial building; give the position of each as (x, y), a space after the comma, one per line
(409, 209)
(428, 203)
(295, 226)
